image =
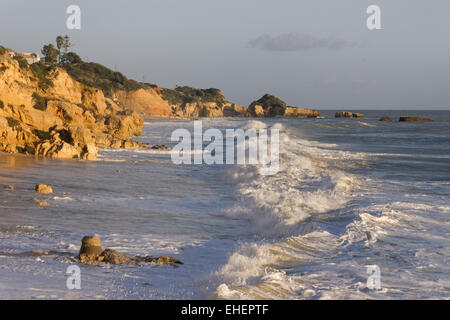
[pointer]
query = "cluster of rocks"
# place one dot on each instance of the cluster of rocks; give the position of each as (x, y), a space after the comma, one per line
(91, 251)
(348, 114)
(407, 119)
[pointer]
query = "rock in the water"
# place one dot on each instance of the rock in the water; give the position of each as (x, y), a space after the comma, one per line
(10, 188)
(414, 119)
(115, 257)
(347, 114)
(161, 147)
(385, 119)
(91, 249)
(42, 203)
(43, 188)
(166, 260)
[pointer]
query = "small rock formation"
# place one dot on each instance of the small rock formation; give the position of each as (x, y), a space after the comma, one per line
(385, 119)
(414, 119)
(42, 203)
(347, 114)
(161, 147)
(10, 188)
(43, 188)
(271, 106)
(91, 251)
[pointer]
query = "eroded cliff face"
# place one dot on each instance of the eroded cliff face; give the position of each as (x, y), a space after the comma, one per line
(64, 120)
(150, 102)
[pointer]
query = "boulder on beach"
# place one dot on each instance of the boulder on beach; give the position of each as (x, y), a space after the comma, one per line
(43, 188)
(385, 119)
(348, 114)
(414, 119)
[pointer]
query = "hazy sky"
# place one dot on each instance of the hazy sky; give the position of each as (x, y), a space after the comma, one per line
(316, 53)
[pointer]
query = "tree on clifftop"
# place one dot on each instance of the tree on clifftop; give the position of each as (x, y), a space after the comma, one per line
(59, 44)
(50, 53)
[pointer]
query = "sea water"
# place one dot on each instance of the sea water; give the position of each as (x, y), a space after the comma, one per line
(350, 193)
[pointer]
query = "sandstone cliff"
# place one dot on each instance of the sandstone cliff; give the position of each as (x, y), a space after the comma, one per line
(45, 112)
(69, 111)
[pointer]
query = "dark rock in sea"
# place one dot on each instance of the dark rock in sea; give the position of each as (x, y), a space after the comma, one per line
(91, 249)
(43, 188)
(385, 119)
(414, 119)
(347, 114)
(161, 147)
(10, 188)
(114, 257)
(159, 260)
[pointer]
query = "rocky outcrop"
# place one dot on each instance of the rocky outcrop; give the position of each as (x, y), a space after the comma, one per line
(45, 112)
(414, 119)
(271, 106)
(91, 251)
(385, 119)
(347, 114)
(187, 103)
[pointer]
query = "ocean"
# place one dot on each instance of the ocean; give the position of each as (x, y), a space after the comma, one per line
(350, 194)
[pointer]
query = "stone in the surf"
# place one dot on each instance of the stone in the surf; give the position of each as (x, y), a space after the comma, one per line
(115, 257)
(91, 249)
(161, 147)
(385, 119)
(414, 119)
(43, 188)
(42, 203)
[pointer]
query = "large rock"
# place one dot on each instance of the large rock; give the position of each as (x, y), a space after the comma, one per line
(271, 106)
(348, 114)
(414, 119)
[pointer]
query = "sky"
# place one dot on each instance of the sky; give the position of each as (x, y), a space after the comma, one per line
(316, 53)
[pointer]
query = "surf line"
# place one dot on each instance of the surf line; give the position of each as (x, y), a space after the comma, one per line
(193, 310)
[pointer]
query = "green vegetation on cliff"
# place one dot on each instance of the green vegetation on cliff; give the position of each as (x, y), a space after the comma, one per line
(99, 76)
(185, 94)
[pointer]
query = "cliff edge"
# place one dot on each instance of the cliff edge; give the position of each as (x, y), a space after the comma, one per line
(46, 112)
